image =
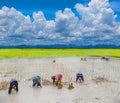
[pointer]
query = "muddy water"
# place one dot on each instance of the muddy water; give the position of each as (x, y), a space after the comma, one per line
(89, 92)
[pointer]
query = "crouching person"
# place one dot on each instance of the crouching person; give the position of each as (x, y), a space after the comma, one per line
(56, 78)
(80, 77)
(13, 85)
(37, 81)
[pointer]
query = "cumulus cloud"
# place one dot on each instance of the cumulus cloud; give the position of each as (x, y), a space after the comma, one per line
(97, 25)
(66, 23)
(98, 21)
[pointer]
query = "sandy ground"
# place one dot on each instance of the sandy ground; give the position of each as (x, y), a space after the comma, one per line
(87, 92)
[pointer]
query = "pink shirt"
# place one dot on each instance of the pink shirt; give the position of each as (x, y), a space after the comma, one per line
(58, 77)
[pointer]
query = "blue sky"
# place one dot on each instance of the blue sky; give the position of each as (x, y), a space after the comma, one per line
(48, 22)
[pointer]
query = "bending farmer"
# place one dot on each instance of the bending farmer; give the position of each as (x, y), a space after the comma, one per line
(37, 81)
(79, 76)
(56, 78)
(13, 85)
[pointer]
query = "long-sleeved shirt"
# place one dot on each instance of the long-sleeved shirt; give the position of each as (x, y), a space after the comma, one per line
(36, 79)
(79, 74)
(13, 80)
(58, 77)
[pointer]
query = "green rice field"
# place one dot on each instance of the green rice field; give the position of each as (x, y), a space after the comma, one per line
(51, 53)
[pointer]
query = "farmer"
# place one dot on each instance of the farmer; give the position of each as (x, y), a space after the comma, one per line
(56, 78)
(105, 58)
(13, 85)
(79, 76)
(36, 81)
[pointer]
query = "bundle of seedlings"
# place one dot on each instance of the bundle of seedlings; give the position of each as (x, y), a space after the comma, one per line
(47, 82)
(59, 85)
(54, 61)
(100, 79)
(4, 85)
(70, 86)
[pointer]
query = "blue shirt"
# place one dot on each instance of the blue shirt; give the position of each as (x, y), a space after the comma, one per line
(37, 79)
(13, 80)
(79, 74)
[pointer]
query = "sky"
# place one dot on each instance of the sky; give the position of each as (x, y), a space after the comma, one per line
(66, 22)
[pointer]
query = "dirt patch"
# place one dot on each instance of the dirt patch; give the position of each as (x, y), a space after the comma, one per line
(4, 85)
(100, 79)
(47, 82)
(30, 79)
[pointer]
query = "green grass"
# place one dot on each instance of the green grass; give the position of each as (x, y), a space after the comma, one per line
(50, 53)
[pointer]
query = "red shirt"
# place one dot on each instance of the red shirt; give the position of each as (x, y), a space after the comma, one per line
(58, 77)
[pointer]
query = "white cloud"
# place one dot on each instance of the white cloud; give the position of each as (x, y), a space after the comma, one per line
(97, 25)
(98, 20)
(97, 13)
(66, 23)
